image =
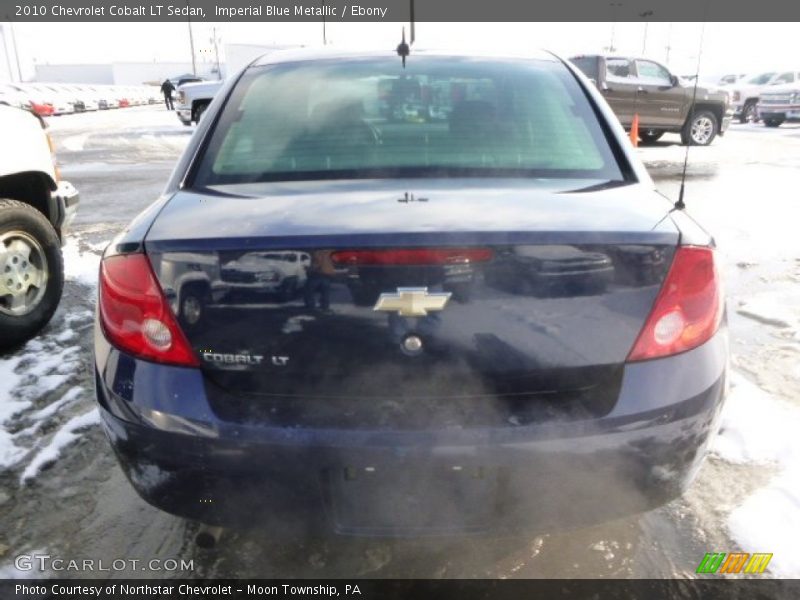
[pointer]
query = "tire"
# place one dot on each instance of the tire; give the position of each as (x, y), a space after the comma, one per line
(288, 290)
(29, 251)
(650, 136)
(773, 122)
(700, 129)
(749, 112)
(198, 112)
(193, 301)
(462, 292)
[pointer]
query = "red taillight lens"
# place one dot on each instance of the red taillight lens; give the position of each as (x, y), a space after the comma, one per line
(135, 315)
(411, 256)
(44, 110)
(688, 309)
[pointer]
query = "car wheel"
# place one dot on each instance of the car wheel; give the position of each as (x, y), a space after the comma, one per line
(194, 299)
(31, 272)
(650, 136)
(773, 122)
(749, 113)
(288, 290)
(198, 112)
(462, 292)
(700, 129)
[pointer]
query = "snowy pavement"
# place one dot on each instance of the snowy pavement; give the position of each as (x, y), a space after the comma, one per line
(62, 492)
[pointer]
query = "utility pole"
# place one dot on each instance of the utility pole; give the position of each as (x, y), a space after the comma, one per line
(644, 15)
(644, 39)
(614, 6)
(324, 32)
(16, 53)
(669, 37)
(216, 51)
(191, 46)
(6, 52)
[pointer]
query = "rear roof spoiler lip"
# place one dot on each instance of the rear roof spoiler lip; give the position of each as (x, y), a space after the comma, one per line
(415, 239)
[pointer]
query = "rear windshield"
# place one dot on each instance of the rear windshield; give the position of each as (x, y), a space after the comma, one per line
(438, 117)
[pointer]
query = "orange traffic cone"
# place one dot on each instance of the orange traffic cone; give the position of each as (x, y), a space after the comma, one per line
(635, 131)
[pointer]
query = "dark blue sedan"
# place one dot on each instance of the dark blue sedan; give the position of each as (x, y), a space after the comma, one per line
(437, 298)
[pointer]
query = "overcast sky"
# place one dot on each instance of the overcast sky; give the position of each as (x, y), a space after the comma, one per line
(727, 47)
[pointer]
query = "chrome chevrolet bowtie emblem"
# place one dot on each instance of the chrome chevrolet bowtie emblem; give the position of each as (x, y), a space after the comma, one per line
(412, 302)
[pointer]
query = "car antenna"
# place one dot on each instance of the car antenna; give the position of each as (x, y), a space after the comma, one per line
(680, 204)
(403, 49)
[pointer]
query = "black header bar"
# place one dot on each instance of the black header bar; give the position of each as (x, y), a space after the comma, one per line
(399, 10)
(354, 589)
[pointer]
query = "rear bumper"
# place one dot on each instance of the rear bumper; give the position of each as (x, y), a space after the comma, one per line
(182, 459)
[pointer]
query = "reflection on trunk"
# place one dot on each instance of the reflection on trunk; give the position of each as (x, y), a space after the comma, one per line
(522, 330)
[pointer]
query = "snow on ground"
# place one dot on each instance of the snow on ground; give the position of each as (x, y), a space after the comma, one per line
(105, 120)
(35, 390)
(62, 438)
(40, 368)
(9, 406)
(759, 429)
(75, 142)
(770, 309)
(79, 265)
(52, 408)
(143, 134)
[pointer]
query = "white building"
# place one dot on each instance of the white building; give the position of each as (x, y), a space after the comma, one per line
(236, 57)
(121, 73)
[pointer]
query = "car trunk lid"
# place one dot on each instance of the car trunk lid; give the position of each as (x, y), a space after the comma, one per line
(470, 301)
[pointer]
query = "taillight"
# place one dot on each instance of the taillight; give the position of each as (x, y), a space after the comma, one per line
(411, 256)
(135, 315)
(688, 309)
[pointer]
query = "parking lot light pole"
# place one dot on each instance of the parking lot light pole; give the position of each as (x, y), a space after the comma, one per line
(645, 15)
(14, 47)
(614, 6)
(6, 52)
(191, 47)
(669, 38)
(215, 40)
(324, 30)
(16, 52)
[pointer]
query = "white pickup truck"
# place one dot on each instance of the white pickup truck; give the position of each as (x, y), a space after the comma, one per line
(36, 208)
(194, 98)
(747, 91)
(779, 104)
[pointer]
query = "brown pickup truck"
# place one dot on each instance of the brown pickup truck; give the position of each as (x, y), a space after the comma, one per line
(662, 101)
